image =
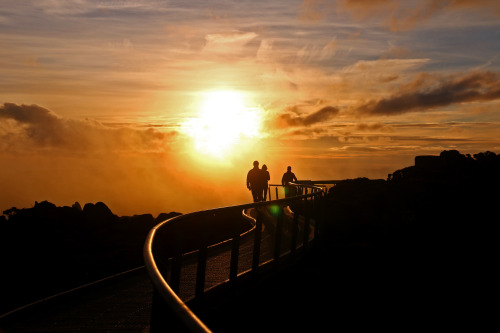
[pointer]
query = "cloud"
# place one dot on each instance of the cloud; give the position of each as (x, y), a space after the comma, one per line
(396, 15)
(398, 52)
(34, 127)
(373, 127)
(323, 114)
(27, 113)
(79, 7)
(228, 43)
(314, 10)
(428, 9)
(427, 92)
(362, 9)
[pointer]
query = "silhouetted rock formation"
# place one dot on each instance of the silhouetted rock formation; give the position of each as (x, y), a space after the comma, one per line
(454, 184)
(417, 246)
(162, 217)
(98, 213)
(47, 249)
(452, 165)
(440, 211)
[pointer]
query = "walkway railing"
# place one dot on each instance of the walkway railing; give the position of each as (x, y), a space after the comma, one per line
(181, 254)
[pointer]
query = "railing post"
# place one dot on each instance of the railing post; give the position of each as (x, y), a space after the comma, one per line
(276, 188)
(201, 273)
(175, 277)
(295, 232)
(305, 239)
(235, 253)
(278, 236)
(318, 215)
(256, 244)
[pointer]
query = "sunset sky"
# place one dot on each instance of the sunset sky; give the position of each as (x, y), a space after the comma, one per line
(157, 106)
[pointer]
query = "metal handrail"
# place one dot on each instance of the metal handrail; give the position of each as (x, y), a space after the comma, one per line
(165, 298)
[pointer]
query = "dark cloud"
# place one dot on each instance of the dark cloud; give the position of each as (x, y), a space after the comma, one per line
(32, 122)
(26, 113)
(32, 126)
(427, 92)
(323, 114)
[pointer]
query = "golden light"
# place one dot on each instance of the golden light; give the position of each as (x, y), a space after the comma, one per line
(224, 122)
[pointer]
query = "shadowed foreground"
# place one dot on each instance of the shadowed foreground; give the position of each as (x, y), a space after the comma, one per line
(347, 288)
(122, 304)
(353, 289)
(415, 252)
(358, 288)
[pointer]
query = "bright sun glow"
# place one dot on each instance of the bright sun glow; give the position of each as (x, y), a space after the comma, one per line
(224, 122)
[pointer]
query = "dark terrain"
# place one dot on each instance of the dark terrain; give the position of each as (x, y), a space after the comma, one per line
(418, 245)
(47, 249)
(414, 252)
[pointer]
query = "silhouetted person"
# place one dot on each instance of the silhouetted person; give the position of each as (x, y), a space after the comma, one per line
(255, 182)
(287, 178)
(267, 177)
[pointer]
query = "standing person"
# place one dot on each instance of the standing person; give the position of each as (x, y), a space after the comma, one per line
(255, 182)
(266, 180)
(287, 178)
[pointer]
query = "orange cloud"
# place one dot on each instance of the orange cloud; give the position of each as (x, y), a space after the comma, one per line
(31, 127)
(394, 14)
(408, 19)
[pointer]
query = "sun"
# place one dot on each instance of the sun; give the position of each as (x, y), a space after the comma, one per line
(224, 122)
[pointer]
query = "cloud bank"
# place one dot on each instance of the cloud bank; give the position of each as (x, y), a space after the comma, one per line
(428, 92)
(32, 126)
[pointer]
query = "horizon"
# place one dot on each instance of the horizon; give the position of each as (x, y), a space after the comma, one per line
(161, 106)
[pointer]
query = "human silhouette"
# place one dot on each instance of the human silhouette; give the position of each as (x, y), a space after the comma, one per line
(267, 177)
(287, 178)
(255, 182)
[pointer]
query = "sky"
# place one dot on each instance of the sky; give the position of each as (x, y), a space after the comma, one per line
(157, 106)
